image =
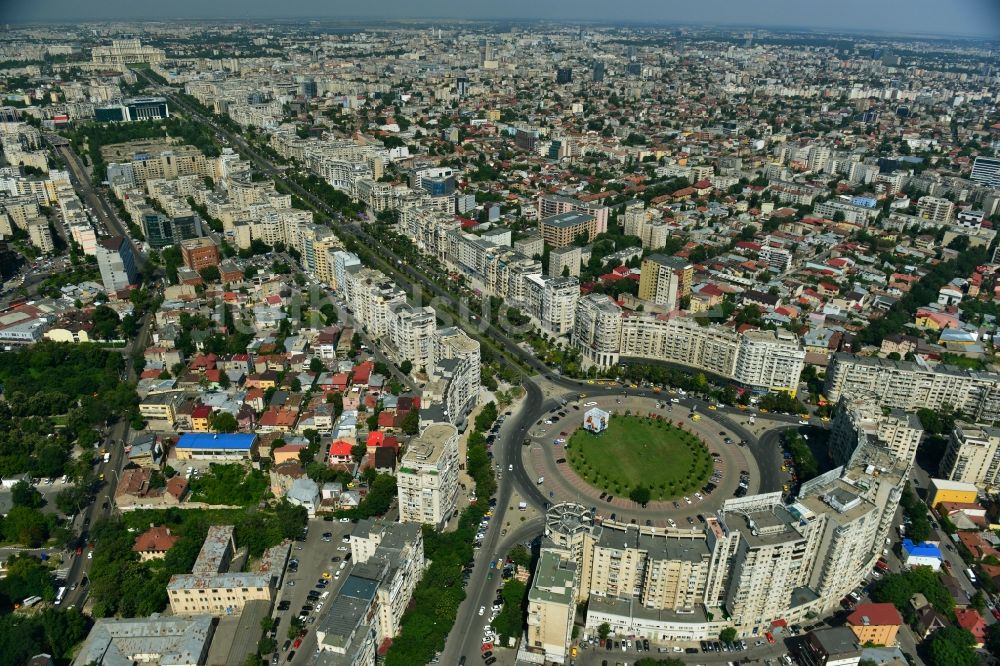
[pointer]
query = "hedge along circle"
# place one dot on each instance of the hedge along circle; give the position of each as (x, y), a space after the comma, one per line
(637, 451)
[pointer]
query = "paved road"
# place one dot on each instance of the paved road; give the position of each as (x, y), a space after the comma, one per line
(97, 202)
(103, 504)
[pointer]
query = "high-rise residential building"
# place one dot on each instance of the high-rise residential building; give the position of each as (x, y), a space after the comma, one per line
(973, 455)
(552, 607)
(912, 385)
(564, 75)
(40, 235)
(861, 419)
(597, 329)
(986, 170)
(936, 209)
(771, 554)
(550, 205)
(665, 280)
(756, 562)
(565, 261)
(411, 334)
(565, 228)
(116, 263)
(427, 479)
(770, 360)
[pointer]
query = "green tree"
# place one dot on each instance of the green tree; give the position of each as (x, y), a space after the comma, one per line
(26, 526)
(411, 422)
(224, 422)
(727, 635)
(640, 495)
(25, 494)
(210, 274)
(604, 631)
(952, 646)
(406, 367)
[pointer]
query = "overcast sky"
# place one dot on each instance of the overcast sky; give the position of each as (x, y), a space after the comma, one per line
(946, 17)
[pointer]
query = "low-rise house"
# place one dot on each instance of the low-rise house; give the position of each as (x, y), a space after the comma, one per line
(154, 543)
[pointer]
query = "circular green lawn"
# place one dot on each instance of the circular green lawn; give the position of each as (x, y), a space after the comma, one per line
(634, 451)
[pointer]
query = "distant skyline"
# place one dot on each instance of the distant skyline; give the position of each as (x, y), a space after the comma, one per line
(973, 18)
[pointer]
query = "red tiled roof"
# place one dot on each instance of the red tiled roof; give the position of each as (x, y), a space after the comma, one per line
(879, 615)
(155, 540)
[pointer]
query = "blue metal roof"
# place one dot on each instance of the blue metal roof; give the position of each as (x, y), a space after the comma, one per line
(921, 549)
(211, 440)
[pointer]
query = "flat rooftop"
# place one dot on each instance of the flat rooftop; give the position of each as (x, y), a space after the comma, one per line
(430, 446)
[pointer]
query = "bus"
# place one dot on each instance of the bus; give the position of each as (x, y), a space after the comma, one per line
(59, 595)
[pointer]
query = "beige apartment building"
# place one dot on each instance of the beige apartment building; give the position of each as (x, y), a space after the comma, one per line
(210, 587)
(973, 455)
(427, 479)
(862, 419)
(562, 229)
(665, 280)
(552, 607)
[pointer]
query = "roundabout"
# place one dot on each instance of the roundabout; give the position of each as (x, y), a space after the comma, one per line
(644, 458)
(650, 441)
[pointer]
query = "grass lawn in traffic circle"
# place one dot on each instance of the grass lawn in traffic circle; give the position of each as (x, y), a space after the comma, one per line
(640, 452)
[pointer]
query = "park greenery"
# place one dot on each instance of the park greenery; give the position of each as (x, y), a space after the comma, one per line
(439, 593)
(630, 457)
(52, 631)
(57, 395)
(233, 484)
(121, 585)
(510, 621)
(918, 527)
(89, 138)
(802, 456)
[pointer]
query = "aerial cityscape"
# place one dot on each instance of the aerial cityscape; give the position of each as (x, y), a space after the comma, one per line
(515, 335)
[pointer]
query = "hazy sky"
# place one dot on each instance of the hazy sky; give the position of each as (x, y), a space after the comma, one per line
(951, 17)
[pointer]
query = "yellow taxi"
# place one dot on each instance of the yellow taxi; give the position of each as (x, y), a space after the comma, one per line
(326, 575)
(712, 407)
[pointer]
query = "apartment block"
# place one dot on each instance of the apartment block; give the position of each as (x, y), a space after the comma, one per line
(914, 385)
(563, 229)
(552, 607)
(861, 419)
(565, 261)
(554, 204)
(116, 263)
(40, 235)
(211, 587)
(936, 209)
(770, 361)
(973, 455)
(427, 479)
(665, 280)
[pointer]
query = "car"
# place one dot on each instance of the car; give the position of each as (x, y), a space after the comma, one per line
(687, 499)
(307, 607)
(90, 554)
(285, 646)
(671, 522)
(770, 637)
(487, 654)
(297, 643)
(345, 520)
(510, 468)
(490, 661)
(803, 422)
(645, 644)
(482, 610)
(291, 655)
(560, 461)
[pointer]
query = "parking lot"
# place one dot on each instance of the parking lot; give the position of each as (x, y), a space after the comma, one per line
(319, 564)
